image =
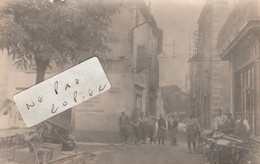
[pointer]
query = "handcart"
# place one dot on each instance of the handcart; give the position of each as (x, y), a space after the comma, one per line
(220, 148)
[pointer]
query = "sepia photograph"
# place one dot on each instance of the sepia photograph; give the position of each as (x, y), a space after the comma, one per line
(130, 81)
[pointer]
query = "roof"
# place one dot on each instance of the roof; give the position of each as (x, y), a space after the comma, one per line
(144, 9)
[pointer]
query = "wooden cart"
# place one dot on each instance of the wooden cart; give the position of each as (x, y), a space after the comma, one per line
(223, 149)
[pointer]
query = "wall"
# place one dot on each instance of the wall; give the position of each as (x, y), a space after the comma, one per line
(96, 120)
(3, 76)
(242, 13)
(213, 73)
(15, 80)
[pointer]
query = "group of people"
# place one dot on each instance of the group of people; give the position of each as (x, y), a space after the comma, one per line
(226, 124)
(223, 123)
(139, 127)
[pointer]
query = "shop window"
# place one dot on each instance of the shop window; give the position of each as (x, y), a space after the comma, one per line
(244, 94)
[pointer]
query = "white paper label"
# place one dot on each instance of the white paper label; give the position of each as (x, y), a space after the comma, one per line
(62, 91)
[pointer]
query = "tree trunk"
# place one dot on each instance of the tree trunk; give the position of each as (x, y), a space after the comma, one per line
(41, 67)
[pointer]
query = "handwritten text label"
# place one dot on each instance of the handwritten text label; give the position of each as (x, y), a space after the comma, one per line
(62, 91)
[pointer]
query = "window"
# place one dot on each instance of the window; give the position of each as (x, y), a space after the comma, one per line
(138, 101)
(244, 91)
(140, 60)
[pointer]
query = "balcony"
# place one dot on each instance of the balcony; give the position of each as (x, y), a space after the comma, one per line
(244, 18)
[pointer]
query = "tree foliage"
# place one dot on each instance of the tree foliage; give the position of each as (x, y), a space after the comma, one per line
(174, 99)
(66, 33)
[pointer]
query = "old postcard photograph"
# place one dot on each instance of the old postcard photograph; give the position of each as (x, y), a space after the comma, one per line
(130, 81)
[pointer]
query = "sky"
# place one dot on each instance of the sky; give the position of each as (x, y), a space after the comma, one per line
(177, 19)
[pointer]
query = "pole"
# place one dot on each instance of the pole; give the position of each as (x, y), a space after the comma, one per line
(173, 49)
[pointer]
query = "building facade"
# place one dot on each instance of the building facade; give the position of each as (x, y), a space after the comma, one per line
(13, 81)
(132, 67)
(194, 91)
(209, 75)
(133, 70)
(239, 43)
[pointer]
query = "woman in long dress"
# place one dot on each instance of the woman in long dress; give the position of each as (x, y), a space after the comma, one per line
(161, 134)
(173, 128)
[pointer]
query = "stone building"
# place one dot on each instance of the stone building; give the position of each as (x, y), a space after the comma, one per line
(194, 91)
(193, 74)
(209, 73)
(132, 67)
(238, 43)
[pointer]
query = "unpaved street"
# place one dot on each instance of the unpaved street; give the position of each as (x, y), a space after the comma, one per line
(141, 154)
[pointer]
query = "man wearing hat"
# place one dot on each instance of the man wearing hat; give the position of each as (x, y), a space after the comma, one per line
(230, 124)
(123, 125)
(242, 127)
(151, 127)
(220, 121)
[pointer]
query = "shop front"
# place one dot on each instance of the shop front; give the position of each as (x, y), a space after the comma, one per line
(239, 43)
(244, 59)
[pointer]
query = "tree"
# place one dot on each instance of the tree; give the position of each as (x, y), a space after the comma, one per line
(175, 100)
(64, 33)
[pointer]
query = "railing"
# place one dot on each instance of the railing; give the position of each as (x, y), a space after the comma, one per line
(240, 16)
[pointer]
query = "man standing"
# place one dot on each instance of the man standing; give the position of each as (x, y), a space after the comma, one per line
(151, 124)
(123, 124)
(242, 127)
(230, 124)
(192, 129)
(142, 127)
(220, 121)
(134, 124)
